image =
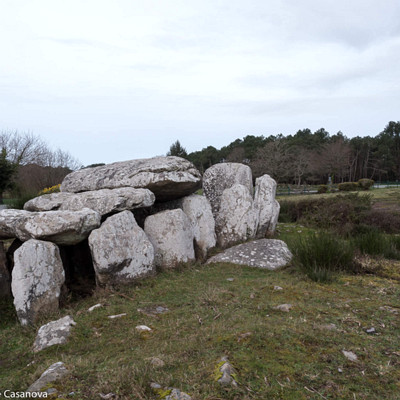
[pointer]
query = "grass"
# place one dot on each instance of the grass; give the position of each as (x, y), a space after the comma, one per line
(277, 355)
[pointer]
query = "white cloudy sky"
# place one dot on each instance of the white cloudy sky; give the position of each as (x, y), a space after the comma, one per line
(112, 80)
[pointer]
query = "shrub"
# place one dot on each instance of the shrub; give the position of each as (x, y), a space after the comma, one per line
(365, 184)
(348, 186)
(322, 188)
(321, 255)
(385, 220)
(376, 243)
(53, 189)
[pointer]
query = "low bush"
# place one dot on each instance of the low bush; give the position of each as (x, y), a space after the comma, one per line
(365, 184)
(322, 189)
(348, 186)
(321, 255)
(385, 220)
(375, 243)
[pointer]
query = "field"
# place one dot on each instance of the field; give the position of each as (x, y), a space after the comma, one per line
(277, 355)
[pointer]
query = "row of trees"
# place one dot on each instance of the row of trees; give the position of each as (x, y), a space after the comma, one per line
(309, 157)
(27, 164)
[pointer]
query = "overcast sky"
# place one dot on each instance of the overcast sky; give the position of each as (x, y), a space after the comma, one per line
(111, 80)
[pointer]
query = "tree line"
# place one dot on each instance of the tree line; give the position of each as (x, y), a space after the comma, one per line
(28, 164)
(309, 157)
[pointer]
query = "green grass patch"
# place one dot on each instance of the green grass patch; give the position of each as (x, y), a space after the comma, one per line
(285, 356)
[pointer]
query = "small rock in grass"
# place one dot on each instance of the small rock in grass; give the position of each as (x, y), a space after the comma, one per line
(277, 288)
(153, 311)
(350, 355)
(156, 362)
(108, 396)
(176, 394)
(284, 307)
(371, 330)
(325, 327)
(143, 328)
(340, 370)
(230, 279)
(116, 316)
(155, 386)
(55, 332)
(55, 372)
(94, 307)
(227, 373)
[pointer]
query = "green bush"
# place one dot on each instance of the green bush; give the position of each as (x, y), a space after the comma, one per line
(348, 186)
(376, 243)
(321, 255)
(365, 184)
(323, 188)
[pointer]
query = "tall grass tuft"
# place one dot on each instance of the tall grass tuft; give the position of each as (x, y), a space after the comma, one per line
(375, 243)
(321, 255)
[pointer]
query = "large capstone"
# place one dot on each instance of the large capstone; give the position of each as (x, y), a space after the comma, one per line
(167, 177)
(5, 284)
(223, 176)
(263, 253)
(237, 219)
(61, 227)
(171, 234)
(121, 251)
(37, 278)
(266, 205)
(104, 201)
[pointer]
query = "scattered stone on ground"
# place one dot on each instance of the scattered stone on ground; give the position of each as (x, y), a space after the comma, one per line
(277, 288)
(325, 327)
(156, 362)
(153, 311)
(169, 393)
(390, 309)
(263, 253)
(54, 373)
(104, 201)
(371, 330)
(171, 234)
(117, 316)
(283, 307)
(228, 373)
(90, 309)
(36, 289)
(121, 251)
(230, 279)
(55, 332)
(143, 328)
(167, 177)
(350, 355)
(107, 396)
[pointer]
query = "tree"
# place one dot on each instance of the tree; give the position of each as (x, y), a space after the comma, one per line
(7, 171)
(177, 150)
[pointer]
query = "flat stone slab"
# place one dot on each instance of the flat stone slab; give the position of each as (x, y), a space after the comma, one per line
(264, 253)
(104, 201)
(167, 177)
(54, 373)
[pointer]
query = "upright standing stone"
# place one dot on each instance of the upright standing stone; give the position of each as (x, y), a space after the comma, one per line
(171, 234)
(37, 278)
(121, 251)
(167, 177)
(198, 209)
(266, 205)
(237, 219)
(5, 285)
(223, 176)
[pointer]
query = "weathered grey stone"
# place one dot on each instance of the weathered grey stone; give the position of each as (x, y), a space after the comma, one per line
(60, 227)
(104, 201)
(5, 282)
(263, 253)
(237, 219)
(266, 205)
(283, 307)
(171, 234)
(52, 374)
(177, 394)
(198, 209)
(9, 219)
(167, 177)
(55, 332)
(121, 251)
(227, 372)
(37, 278)
(223, 176)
